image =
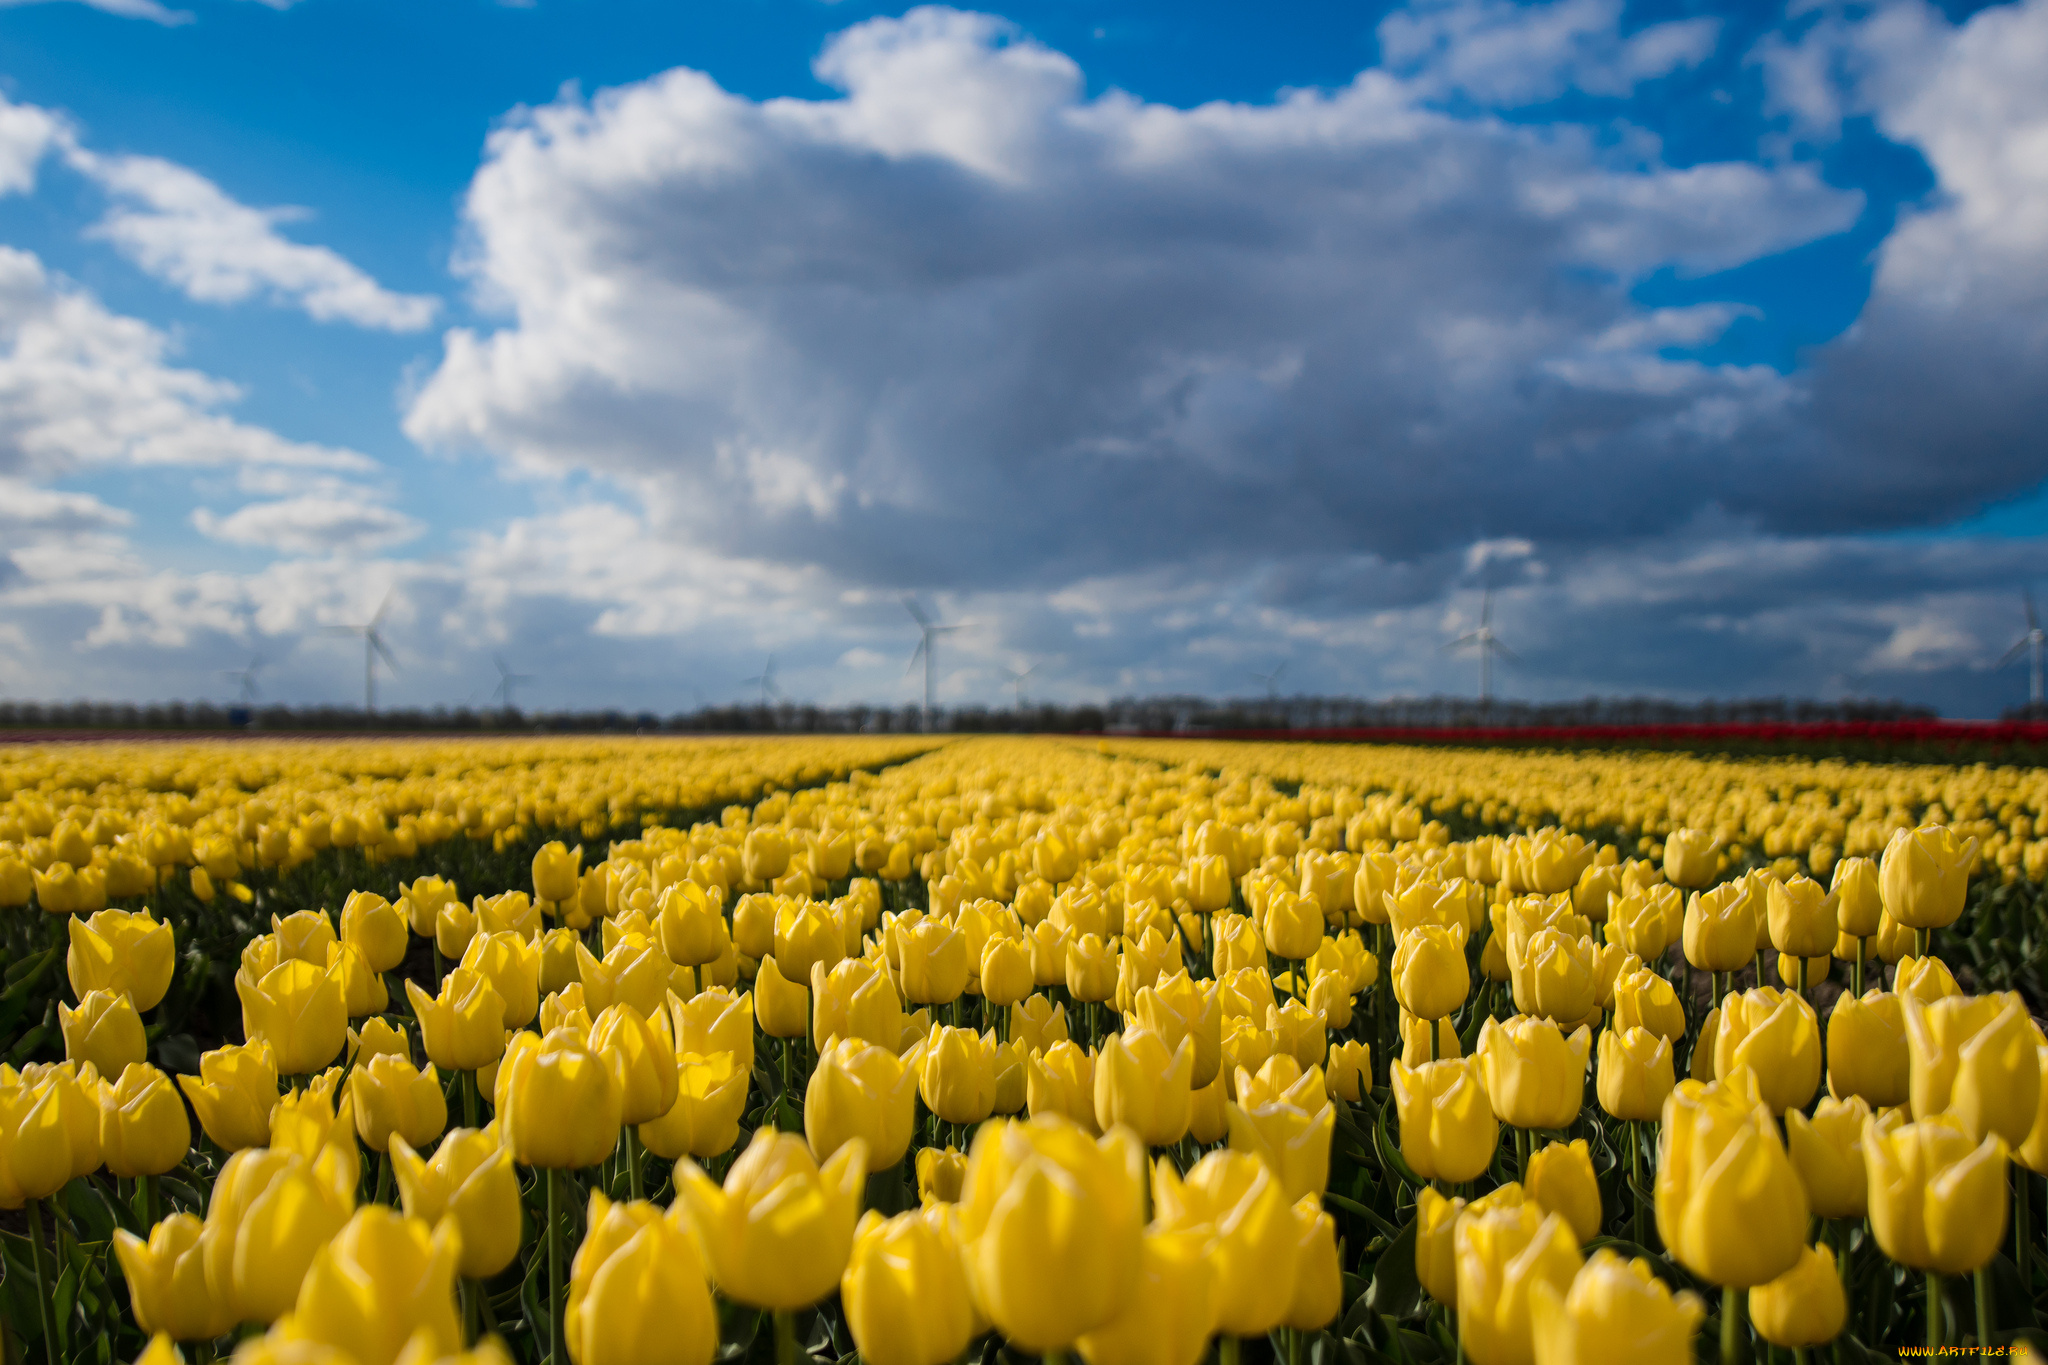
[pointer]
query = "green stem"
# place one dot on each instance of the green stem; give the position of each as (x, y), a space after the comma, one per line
(467, 1290)
(1229, 1351)
(1635, 1174)
(469, 1099)
(1934, 1323)
(1731, 1325)
(557, 1329)
(785, 1337)
(149, 1202)
(1293, 1346)
(2022, 1216)
(1983, 1278)
(384, 1176)
(633, 1163)
(1921, 941)
(43, 1304)
(1861, 943)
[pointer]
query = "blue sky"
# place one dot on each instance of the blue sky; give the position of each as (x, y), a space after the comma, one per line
(635, 343)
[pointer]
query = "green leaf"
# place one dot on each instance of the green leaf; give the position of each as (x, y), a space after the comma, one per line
(1395, 1291)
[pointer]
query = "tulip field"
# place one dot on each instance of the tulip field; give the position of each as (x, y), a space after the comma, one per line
(917, 1049)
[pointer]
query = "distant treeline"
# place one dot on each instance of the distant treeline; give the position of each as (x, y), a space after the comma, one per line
(1151, 715)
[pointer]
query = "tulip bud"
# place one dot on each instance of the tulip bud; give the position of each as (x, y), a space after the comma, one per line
(1635, 1073)
(469, 1181)
(1827, 1151)
(1775, 1034)
(464, 1028)
(299, 1010)
(1689, 857)
(1061, 1080)
(779, 1232)
(1350, 1071)
(905, 1290)
(1721, 927)
(558, 1106)
(1937, 1198)
(116, 950)
(715, 1021)
(1645, 1000)
(1859, 904)
(1503, 1256)
(1436, 1262)
(1924, 876)
(1429, 974)
(1729, 1204)
(1615, 1310)
(376, 929)
(861, 1091)
(1534, 1074)
(104, 1030)
(1803, 1307)
(1448, 1129)
(143, 1128)
(166, 1277)
(939, 1175)
(957, 1075)
(557, 871)
(233, 1095)
(1256, 1254)
(271, 1213)
(1973, 1057)
(1801, 917)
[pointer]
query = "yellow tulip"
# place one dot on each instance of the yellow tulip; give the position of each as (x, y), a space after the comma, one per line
(1061, 1080)
(1436, 1261)
(1721, 927)
(1729, 1204)
(716, 1020)
(956, 1075)
(233, 1095)
(305, 935)
(376, 928)
(469, 1181)
(1350, 1071)
(1924, 876)
(271, 1212)
(1636, 921)
(425, 897)
(632, 973)
(1615, 1310)
(1448, 1129)
(934, 962)
(1802, 918)
(1775, 1034)
(1037, 1023)
(143, 1128)
(1091, 969)
(1973, 1057)
(1803, 1307)
(1534, 1074)
(905, 1290)
(782, 1006)
(1006, 974)
(511, 963)
(464, 1028)
(1635, 1073)
(861, 1091)
(1180, 1008)
(363, 992)
(379, 1037)
(1294, 926)
(1867, 1052)
(298, 1009)
(1645, 1000)
(637, 1291)
(382, 1279)
(1937, 1197)
(104, 1030)
(1255, 1251)
(1555, 976)
(1859, 902)
(1689, 857)
(166, 1277)
(1504, 1255)
(642, 1061)
(1293, 1142)
(116, 950)
(1429, 975)
(779, 1232)
(1561, 1181)
(1170, 1316)
(940, 1175)
(559, 1107)
(557, 871)
(704, 1121)
(1141, 1083)
(1416, 1041)
(1827, 1151)
(804, 935)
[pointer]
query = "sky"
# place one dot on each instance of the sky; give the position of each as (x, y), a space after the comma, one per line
(636, 344)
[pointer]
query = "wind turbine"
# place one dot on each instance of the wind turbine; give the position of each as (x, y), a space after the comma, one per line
(247, 677)
(1489, 645)
(507, 680)
(1272, 681)
(927, 650)
(373, 649)
(766, 679)
(2030, 642)
(1017, 682)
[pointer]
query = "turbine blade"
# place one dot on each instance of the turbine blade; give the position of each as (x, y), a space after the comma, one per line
(2033, 622)
(2014, 652)
(916, 612)
(1460, 641)
(383, 606)
(377, 643)
(499, 660)
(915, 657)
(1500, 648)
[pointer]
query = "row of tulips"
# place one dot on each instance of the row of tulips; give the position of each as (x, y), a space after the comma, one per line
(1269, 1081)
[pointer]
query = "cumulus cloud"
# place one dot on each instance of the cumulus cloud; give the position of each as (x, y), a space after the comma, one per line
(313, 524)
(125, 9)
(1502, 54)
(182, 228)
(859, 333)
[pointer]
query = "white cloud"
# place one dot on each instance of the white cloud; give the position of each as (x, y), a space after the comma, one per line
(313, 524)
(124, 9)
(27, 133)
(1503, 54)
(180, 227)
(84, 388)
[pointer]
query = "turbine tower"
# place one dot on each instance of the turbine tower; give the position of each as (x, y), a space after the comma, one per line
(928, 651)
(1489, 645)
(507, 681)
(247, 678)
(373, 649)
(1017, 682)
(2030, 642)
(766, 681)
